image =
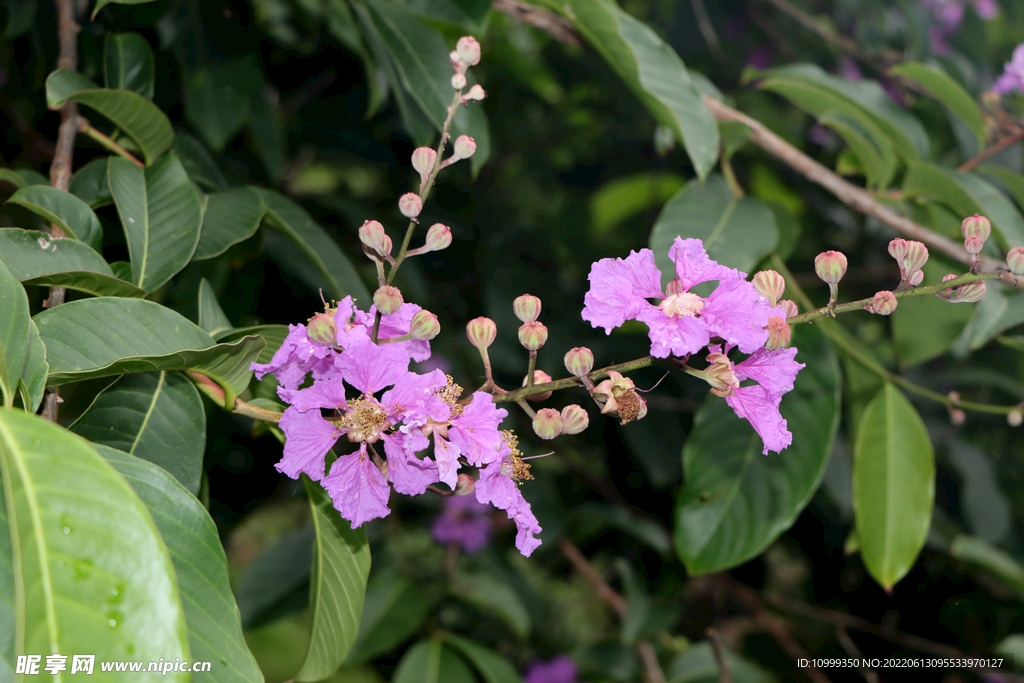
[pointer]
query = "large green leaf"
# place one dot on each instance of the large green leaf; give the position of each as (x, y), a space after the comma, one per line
(997, 312)
(736, 500)
(875, 154)
(492, 595)
(430, 661)
(35, 259)
(92, 573)
(1000, 564)
(893, 485)
(32, 385)
(128, 63)
(101, 3)
(736, 232)
(394, 610)
(156, 416)
(104, 337)
(924, 327)
(211, 316)
(140, 119)
(14, 334)
(491, 666)
(654, 72)
(198, 163)
(215, 629)
(217, 99)
(947, 91)
(341, 564)
(63, 208)
(280, 572)
(273, 334)
(331, 270)
(230, 217)
(7, 597)
(699, 664)
(161, 216)
(89, 183)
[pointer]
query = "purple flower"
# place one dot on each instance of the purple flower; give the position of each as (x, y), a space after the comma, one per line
(1012, 79)
(683, 322)
(558, 670)
(395, 325)
(465, 521)
(358, 488)
(499, 485)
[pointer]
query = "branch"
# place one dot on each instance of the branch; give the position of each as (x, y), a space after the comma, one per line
(992, 150)
(558, 27)
(716, 647)
(85, 127)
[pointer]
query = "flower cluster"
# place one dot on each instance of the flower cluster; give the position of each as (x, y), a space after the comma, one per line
(684, 322)
(949, 14)
(1012, 78)
(371, 397)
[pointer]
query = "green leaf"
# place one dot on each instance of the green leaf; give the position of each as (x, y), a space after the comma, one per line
(493, 668)
(341, 565)
(995, 561)
(211, 315)
(622, 198)
(654, 72)
(161, 216)
(92, 573)
(280, 571)
(924, 327)
(875, 156)
(89, 183)
(128, 63)
(35, 259)
(140, 119)
(737, 501)
(394, 610)
(429, 661)
(33, 378)
(63, 208)
(997, 312)
(331, 270)
(101, 3)
(7, 597)
(273, 334)
(737, 233)
(215, 629)
(1014, 182)
(230, 217)
(103, 337)
(948, 92)
(698, 664)
(492, 595)
(269, 134)
(893, 485)
(15, 336)
(9, 175)
(217, 99)
(198, 163)
(21, 16)
(156, 416)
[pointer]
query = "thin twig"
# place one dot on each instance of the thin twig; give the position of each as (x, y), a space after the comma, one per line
(716, 648)
(85, 127)
(992, 150)
(707, 30)
(869, 674)
(556, 26)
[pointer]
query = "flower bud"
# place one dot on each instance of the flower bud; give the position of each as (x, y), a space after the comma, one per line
(410, 205)
(957, 416)
(372, 235)
(771, 285)
(526, 307)
(973, 245)
(469, 50)
(322, 329)
(481, 332)
(883, 303)
(779, 333)
(830, 266)
(579, 361)
(465, 485)
(464, 147)
(424, 326)
(539, 377)
(789, 307)
(574, 419)
(423, 160)
(458, 81)
(438, 237)
(475, 93)
(916, 278)
(976, 226)
(533, 335)
(457, 63)
(968, 293)
(917, 256)
(898, 249)
(1015, 418)
(1015, 259)
(547, 424)
(388, 299)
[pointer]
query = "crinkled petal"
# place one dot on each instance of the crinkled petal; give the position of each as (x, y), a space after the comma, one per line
(619, 288)
(737, 313)
(324, 393)
(409, 475)
(693, 265)
(761, 409)
(357, 488)
(294, 358)
(527, 526)
(497, 488)
(395, 325)
(447, 455)
(307, 438)
(415, 399)
(774, 370)
(475, 432)
(674, 336)
(367, 366)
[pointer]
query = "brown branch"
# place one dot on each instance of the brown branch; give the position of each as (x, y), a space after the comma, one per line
(557, 27)
(992, 150)
(716, 648)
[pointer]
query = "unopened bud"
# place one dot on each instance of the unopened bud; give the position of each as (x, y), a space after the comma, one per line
(539, 377)
(771, 285)
(574, 419)
(438, 237)
(579, 361)
(526, 307)
(973, 245)
(388, 299)
(779, 333)
(957, 416)
(830, 266)
(475, 93)
(424, 326)
(1015, 259)
(322, 329)
(465, 485)
(968, 293)
(533, 335)
(1015, 418)
(917, 256)
(464, 147)
(916, 278)
(789, 307)
(410, 205)
(883, 303)
(457, 63)
(423, 160)
(547, 424)
(458, 81)
(469, 50)
(898, 249)
(976, 226)
(372, 235)
(481, 332)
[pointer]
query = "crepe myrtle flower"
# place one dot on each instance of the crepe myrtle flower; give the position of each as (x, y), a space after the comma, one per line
(465, 521)
(561, 669)
(682, 322)
(499, 485)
